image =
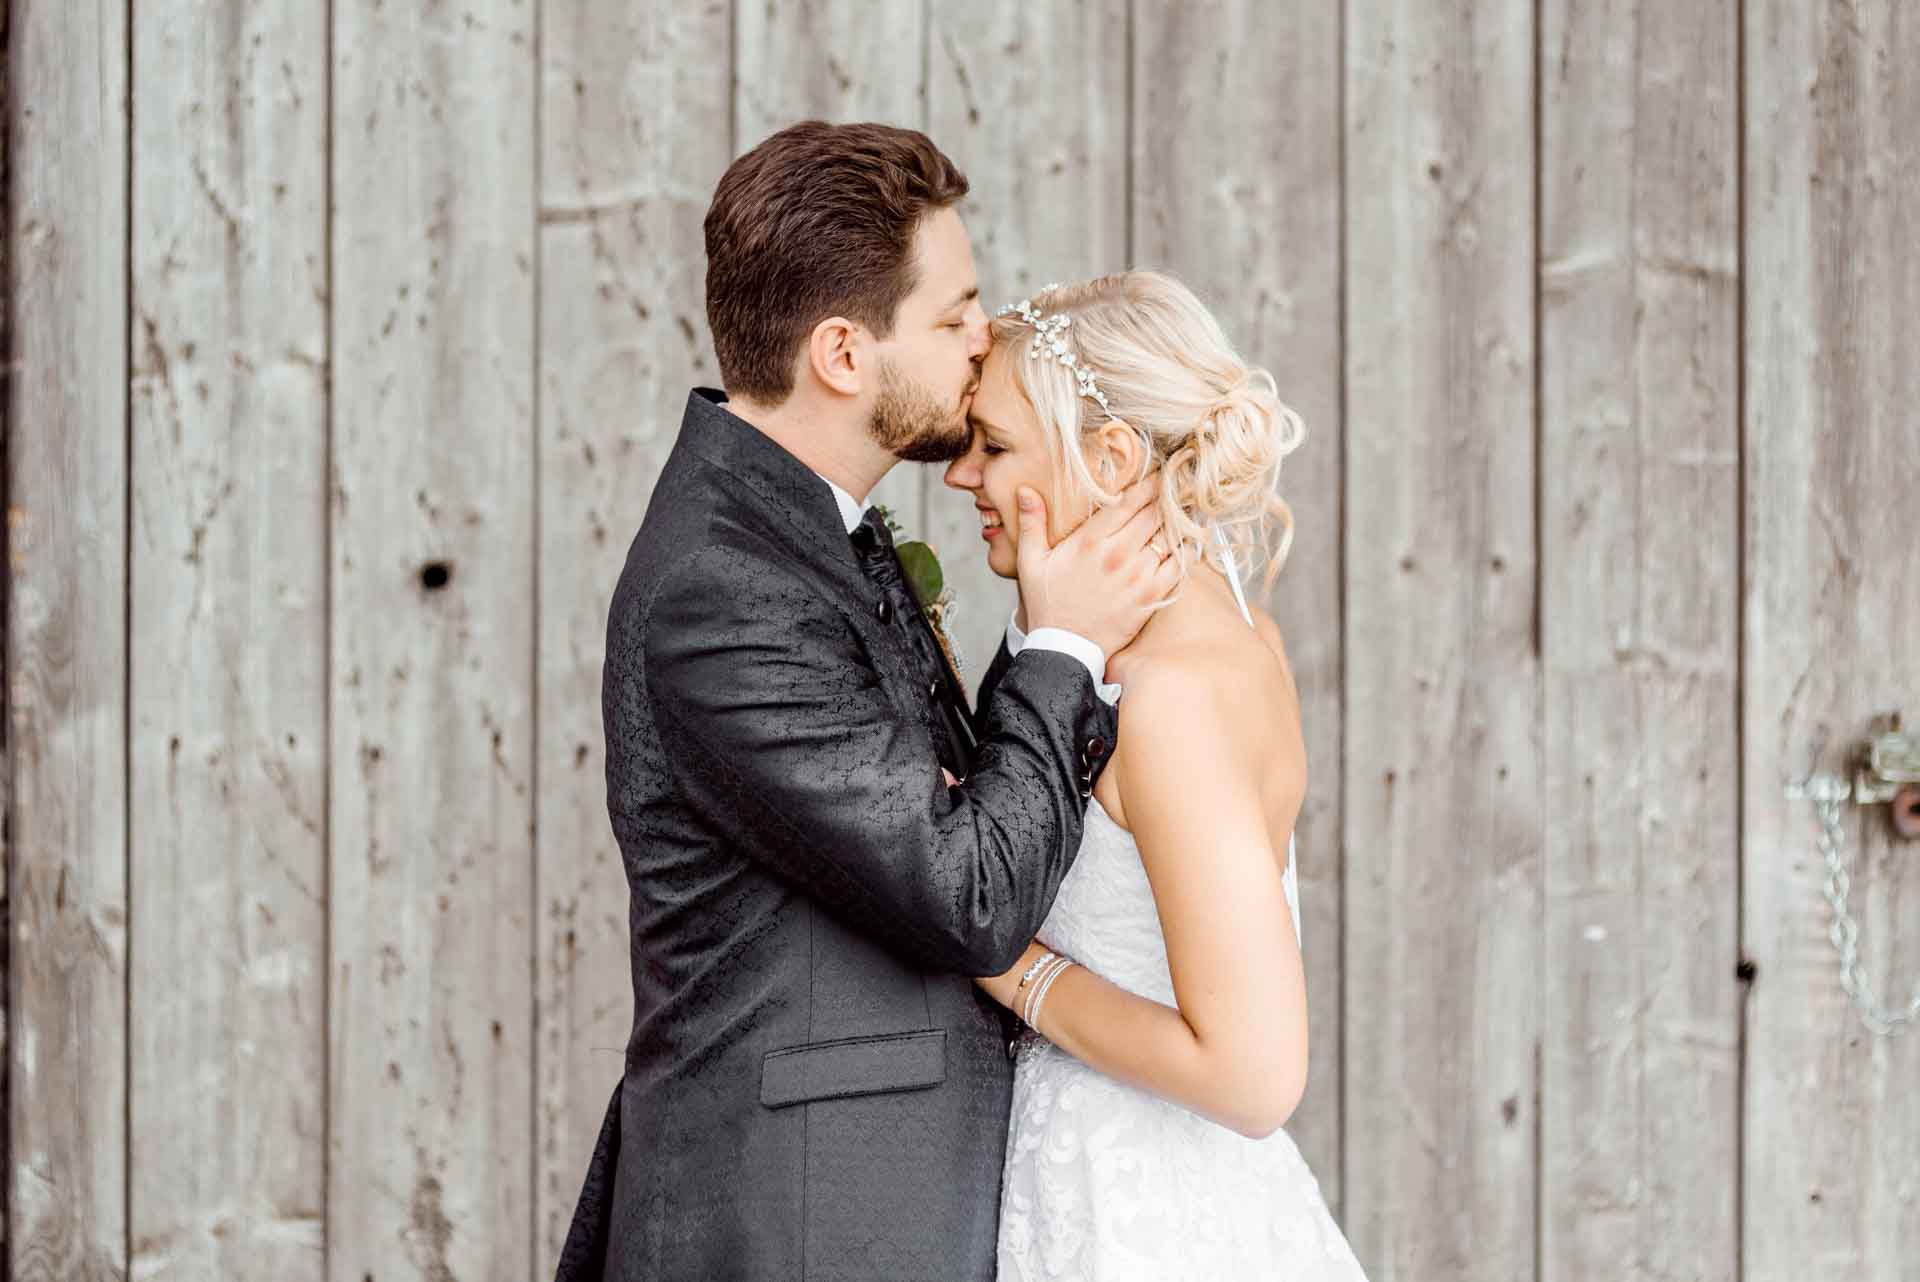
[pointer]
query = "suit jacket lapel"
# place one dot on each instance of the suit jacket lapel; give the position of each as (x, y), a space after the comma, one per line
(799, 502)
(788, 488)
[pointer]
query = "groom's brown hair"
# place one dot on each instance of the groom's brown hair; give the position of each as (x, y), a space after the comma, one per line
(818, 220)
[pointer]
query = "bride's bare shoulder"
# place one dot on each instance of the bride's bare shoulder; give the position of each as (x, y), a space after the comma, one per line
(1219, 683)
(1269, 632)
(1198, 732)
(1233, 690)
(1176, 719)
(1226, 662)
(1220, 691)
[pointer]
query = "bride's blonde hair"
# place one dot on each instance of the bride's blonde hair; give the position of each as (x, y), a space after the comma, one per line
(1213, 424)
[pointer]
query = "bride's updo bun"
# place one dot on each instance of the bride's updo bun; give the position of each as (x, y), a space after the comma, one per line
(1213, 424)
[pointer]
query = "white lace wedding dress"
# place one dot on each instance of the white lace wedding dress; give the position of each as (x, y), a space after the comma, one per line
(1107, 1183)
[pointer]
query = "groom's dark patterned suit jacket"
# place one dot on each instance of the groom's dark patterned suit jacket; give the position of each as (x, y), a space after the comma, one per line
(814, 1088)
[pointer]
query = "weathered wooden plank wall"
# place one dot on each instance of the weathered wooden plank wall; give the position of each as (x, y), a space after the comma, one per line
(67, 642)
(1832, 1117)
(228, 620)
(430, 1025)
(1639, 548)
(346, 350)
(1441, 810)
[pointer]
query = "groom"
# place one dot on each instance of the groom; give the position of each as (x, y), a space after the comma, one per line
(814, 1088)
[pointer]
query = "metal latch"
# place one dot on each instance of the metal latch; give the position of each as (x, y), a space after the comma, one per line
(1886, 771)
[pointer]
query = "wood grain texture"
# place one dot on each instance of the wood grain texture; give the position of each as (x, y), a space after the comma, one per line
(1031, 102)
(432, 562)
(67, 642)
(1639, 490)
(6, 602)
(1833, 466)
(1441, 798)
(1236, 191)
(822, 59)
(228, 613)
(623, 336)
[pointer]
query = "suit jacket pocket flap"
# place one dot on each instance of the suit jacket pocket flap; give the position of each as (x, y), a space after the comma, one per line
(854, 1066)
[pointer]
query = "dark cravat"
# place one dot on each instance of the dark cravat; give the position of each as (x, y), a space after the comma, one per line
(873, 548)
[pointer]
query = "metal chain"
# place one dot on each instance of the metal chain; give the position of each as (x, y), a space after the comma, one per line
(1827, 794)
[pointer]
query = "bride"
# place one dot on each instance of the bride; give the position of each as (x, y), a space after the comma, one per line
(1165, 1000)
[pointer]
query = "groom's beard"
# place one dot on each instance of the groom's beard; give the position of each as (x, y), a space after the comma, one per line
(912, 424)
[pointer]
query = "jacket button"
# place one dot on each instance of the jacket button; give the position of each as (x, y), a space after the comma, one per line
(884, 610)
(1096, 746)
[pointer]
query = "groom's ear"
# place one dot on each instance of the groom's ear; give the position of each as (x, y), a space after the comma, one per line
(837, 355)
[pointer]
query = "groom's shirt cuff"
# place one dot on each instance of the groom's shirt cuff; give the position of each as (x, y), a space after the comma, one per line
(1069, 643)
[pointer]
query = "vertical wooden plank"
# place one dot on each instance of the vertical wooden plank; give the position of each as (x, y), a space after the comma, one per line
(1832, 467)
(1639, 487)
(1236, 190)
(228, 749)
(1442, 783)
(67, 642)
(829, 60)
(1031, 103)
(430, 1025)
(623, 335)
(6, 633)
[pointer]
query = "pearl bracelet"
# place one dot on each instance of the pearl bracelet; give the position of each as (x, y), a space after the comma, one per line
(1040, 998)
(1031, 1014)
(1053, 962)
(1034, 969)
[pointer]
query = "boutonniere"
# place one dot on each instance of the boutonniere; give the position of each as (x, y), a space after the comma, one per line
(929, 584)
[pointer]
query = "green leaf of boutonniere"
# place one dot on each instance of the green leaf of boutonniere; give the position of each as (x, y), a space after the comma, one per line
(924, 575)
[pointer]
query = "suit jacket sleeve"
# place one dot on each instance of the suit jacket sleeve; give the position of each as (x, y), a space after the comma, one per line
(990, 681)
(783, 738)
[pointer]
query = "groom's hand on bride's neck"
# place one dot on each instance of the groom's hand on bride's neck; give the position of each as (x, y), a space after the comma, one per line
(1102, 580)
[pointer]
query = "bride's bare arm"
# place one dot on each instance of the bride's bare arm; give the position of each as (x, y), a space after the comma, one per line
(1235, 1050)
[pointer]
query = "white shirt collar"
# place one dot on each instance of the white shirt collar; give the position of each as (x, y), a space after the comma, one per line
(850, 509)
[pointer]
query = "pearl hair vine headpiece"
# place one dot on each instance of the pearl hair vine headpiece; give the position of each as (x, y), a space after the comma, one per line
(1050, 342)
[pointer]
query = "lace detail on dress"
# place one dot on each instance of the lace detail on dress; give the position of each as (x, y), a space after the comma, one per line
(1106, 1183)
